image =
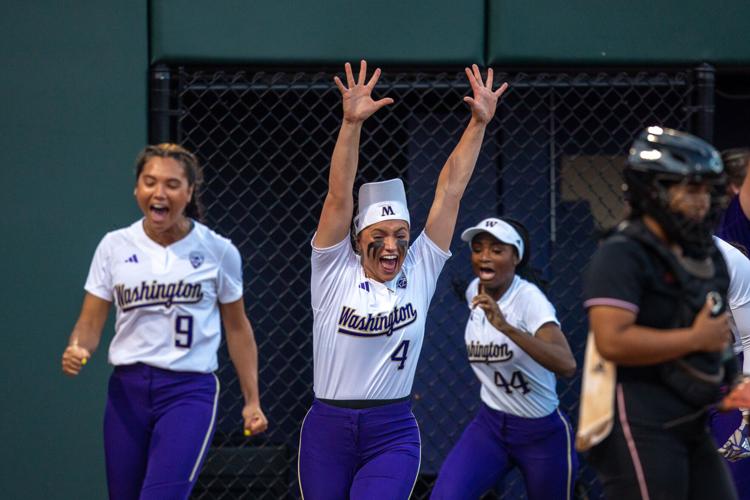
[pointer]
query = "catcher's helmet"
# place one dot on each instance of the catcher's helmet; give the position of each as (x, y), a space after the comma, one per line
(661, 157)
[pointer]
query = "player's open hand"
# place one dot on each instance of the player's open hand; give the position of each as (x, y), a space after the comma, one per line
(255, 420)
(491, 309)
(484, 102)
(73, 359)
(357, 96)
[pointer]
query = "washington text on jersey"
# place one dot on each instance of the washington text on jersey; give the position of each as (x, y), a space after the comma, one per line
(488, 353)
(376, 325)
(156, 294)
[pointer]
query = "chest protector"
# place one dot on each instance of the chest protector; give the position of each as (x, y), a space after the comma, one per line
(698, 378)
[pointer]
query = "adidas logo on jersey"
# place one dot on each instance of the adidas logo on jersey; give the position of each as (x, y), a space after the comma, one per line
(133, 259)
(365, 286)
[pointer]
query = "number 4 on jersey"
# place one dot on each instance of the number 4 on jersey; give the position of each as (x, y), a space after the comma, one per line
(399, 355)
(517, 381)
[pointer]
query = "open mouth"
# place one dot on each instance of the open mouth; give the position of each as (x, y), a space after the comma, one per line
(158, 212)
(388, 263)
(486, 273)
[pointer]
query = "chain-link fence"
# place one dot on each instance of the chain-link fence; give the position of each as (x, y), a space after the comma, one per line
(551, 159)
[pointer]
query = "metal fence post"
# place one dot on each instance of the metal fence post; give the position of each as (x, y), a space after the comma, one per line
(159, 97)
(705, 79)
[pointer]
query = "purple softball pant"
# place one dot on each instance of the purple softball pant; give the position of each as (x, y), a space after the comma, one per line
(158, 425)
(370, 453)
(494, 442)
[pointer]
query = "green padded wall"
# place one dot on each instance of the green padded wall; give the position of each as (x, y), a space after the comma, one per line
(585, 32)
(73, 100)
(331, 31)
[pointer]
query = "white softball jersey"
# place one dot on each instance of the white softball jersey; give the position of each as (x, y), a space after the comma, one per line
(512, 381)
(739, 298)
(367, 335)
(166, 297)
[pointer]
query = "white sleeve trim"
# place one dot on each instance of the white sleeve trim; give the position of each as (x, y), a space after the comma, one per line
(541, 310)
(99, 278)
(98, 292)
(434, 246)
(330, 248)
(234, 284)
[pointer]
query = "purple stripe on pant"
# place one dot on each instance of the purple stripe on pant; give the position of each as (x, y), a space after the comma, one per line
(494, 442)
(723, 425)
(158, 425)
(372, 453)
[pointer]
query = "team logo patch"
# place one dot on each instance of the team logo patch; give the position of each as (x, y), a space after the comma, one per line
(196, 259)
(401, 283)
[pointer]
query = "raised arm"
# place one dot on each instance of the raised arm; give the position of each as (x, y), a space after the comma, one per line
(358, 105)
(458, 168)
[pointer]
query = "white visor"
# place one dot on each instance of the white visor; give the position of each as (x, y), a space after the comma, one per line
(501, 230)
(379, 201)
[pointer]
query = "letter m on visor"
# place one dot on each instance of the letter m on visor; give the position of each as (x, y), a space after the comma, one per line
(387, 210)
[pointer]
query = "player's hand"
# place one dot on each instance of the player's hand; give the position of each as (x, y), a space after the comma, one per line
(357, 96)
(255, 420)
(491, 310)
(73, 359)
(484, 101)
(710, 333)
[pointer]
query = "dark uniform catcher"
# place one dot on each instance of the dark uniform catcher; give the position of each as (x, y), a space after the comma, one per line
(656, 293)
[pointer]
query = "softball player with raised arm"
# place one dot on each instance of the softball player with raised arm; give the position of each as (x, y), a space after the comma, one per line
(515, 347)
(730, 429)
(360, 439)
(173, 282)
